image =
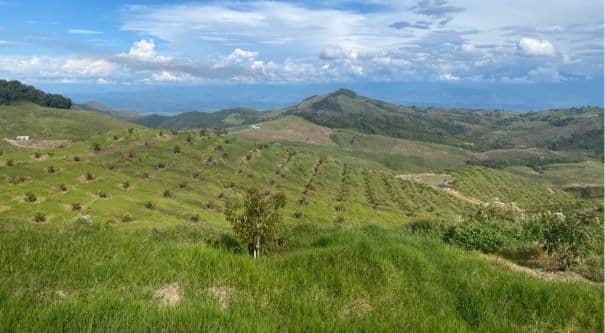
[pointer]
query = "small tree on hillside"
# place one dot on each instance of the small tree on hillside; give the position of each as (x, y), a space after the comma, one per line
(255, 221)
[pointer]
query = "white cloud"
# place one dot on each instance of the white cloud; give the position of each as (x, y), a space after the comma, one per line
(239, 55)
(144, 50)
(84, 32)
(536, 47)
(448, 77)
(102, 81)
(545, 74)
(90, 67)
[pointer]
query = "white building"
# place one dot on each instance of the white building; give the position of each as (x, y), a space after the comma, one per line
(22, 138)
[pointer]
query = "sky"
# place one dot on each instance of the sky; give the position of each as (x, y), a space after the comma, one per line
(94, 47)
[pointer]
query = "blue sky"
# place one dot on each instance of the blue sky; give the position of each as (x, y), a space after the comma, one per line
(101, 45)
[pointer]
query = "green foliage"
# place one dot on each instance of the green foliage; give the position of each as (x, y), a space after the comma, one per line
(11, 91)
(566, 236)
(256, 224)
(30, 197)
(39, 217)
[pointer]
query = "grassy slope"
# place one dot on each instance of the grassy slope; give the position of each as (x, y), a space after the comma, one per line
(46, 123)
(106, 276)
(589, 173)
(365, 280)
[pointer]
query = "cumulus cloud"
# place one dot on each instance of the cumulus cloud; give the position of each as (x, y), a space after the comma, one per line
(536, 47)
(144, 50)
(239, 55)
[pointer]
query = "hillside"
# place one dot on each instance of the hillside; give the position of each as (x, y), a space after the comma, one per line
(218, 119)
(578, 129)
(42, 123)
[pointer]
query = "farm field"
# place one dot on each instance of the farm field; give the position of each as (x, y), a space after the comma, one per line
(108, 225)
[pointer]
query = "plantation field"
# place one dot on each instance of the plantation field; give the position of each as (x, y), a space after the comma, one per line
(125, 230)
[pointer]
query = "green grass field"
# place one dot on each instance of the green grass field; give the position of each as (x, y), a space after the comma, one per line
(346, 262)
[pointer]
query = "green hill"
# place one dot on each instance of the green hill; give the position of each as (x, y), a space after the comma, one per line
(218, 119)
(577, 129)
(42, 123)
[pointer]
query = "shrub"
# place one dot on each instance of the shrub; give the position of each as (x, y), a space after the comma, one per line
(37, 154)
(130, 130)
(30, 197)
(16, 180)
(161, 133)
(183, 185)
(167, 194)
(297, 214)
(90, 176)
(102, 194)
(149, 205)
(10, 163)
(195, 217)
(565, 237)
(115, 137)
(50, 169)
(255, 221)
(176, 150)
(145, 175)
(96, 147)
(62, 187)
(160, 166)
(112, 166)
(76, 158)
(196, 175)
(39, 217)
(126, 218)
(76, 207)
(175, 132)
(225, 155)
(189, 138)
(126, 184)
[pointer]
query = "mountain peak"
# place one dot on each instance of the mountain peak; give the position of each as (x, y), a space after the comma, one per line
(345, 92)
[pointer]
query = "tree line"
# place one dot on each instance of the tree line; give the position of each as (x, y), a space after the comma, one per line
(11, 91)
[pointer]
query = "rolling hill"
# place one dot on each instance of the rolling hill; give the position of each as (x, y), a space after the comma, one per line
(125, 221)
(42, 123)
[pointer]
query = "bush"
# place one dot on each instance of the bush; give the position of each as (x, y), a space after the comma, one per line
(149, 205)
(130, 130)
(96, 147)
(50, 169)
(196, 175)
(39, 217)
(30, 197)
(76, 207)
(126, 218)
(167, 194)
(10, 163)
(62, 187)
(297, 214)
(90, 176)
(76, 158)
(37, 154)
(126, 184)
(565, 237)
(160, 166)
(102, 194)
(195, 217)
(145, 175)
(183, 185)
(176, 150)
(115, 137)
(189, 139)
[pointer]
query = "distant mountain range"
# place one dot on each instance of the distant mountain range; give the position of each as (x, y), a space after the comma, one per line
(478, 130)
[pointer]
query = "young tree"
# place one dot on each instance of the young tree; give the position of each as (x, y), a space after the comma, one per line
(255, 221)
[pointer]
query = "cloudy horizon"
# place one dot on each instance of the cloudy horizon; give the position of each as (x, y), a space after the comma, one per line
(119, 44)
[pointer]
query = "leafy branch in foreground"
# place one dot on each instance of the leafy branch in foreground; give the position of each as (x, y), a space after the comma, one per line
(255, 220)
